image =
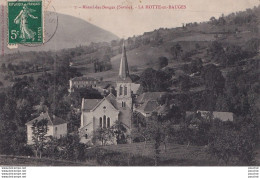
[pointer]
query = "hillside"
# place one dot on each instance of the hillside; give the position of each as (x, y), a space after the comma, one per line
(194, 40)
(66, 35)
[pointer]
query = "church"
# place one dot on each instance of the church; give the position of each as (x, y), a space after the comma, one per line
(103, 113)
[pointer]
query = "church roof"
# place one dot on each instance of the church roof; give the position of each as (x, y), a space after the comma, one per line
(123, 70)
(53, 120)
(89, 104)
(112, 99)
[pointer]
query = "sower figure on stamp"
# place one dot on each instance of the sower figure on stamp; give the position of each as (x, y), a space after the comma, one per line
(22, 18)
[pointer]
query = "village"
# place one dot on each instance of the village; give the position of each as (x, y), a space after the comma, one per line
(106, 113)
(183, 96)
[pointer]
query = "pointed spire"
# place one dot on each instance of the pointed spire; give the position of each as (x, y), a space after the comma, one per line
(123, 70)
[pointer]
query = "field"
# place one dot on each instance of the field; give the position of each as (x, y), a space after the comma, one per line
(173, 155)
(26, 161)
(122, 155)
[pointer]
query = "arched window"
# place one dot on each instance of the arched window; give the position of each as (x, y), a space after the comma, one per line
(108, 122)
(120, 90)
(125, 90)
(104, 122)
(100, 122)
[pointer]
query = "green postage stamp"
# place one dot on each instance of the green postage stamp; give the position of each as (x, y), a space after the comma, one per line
(25, 22)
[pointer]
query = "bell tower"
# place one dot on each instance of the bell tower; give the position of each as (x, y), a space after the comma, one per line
(123, 84)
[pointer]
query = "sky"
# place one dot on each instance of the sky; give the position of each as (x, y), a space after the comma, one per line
(128, 22)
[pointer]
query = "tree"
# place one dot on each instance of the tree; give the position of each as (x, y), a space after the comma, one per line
(39, 131)
(3, 67)
(233, 147)
(153, 80)
(213, 79)
(252, 46)
(157, 130)
(119, 130)
(163, 62)
(184, 82)
(196, 65)
(71, 148)
(176, 51)
(134, 77)
(213, 20)
(221, 20)
(216, 51)
(10, 66)
(104, 135)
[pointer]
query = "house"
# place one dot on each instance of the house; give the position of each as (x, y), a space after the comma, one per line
(148, 96)
(103, 113)
(104, 87)
(147, 108)
(82, 82)
(147, 103)
(57, 127)
(223, 116)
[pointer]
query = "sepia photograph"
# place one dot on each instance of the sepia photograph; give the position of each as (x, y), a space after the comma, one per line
(129, 83)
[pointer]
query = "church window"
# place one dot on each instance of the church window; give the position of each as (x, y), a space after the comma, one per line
(125, 90)
(120, 90)
(100, 122)
(123, 104)
(108, 122)
(104, 122)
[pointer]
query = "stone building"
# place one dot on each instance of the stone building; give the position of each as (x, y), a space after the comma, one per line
(57, 127)
(82, 82)
(103, 113)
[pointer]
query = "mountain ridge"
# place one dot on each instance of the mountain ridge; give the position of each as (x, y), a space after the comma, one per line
(66, 35)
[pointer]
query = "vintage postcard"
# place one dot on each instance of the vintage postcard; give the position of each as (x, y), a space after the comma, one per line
(129, 83)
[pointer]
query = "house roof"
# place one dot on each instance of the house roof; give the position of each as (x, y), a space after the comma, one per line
(105, 84)
(148, 96)
(148, 106)
(57, 121)
(83, 78)
(223, 116)
(54, 120)
(162, 109)
(135, 87)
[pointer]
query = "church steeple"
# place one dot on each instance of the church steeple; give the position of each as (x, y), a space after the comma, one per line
(123, 70)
